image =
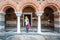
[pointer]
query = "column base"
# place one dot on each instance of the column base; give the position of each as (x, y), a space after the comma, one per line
(39, 32)
(2, 29)
(18, 31)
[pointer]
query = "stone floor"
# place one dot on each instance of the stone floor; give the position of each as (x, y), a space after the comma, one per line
(11, 34)
(29, 36)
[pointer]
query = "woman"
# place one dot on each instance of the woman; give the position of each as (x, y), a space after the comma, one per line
(27, 24)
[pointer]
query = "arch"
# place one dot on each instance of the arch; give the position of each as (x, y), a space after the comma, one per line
(52, 5)
(33, 5)
(7, 7)
(8, 4)
(29, 7)
(10, 18)
(48, 19)
(55, 7)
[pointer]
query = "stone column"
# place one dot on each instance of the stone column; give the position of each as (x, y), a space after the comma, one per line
(18, 14)
(2, 21)
(57, 21)
(39, 14)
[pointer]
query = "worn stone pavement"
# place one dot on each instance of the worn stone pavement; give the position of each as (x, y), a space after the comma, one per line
(29, 36)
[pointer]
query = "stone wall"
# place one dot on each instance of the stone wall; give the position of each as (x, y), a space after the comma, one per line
(38, 5)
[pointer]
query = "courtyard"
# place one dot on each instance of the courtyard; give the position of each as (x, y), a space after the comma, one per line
(43, 16)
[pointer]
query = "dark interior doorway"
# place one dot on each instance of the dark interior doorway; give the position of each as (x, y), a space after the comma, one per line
(10, 19)
(48, 19)
(29, 17)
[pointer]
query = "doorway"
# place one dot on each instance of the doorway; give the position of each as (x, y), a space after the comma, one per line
(29, 15)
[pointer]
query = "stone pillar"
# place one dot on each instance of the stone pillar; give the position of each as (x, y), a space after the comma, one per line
(39, 14)
(57, 21)
(18, 14)
(2, 21)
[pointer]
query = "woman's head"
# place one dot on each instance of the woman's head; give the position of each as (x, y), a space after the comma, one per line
(26, 16)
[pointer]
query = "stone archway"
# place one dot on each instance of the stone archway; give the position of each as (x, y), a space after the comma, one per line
(30, 12)
(48, 18)
(10, 19)
(8, 3)
(34, 5)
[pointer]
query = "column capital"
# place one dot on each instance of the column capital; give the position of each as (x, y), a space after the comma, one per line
(18, 14)
(2, 13)
(59, 12)
(39, 13)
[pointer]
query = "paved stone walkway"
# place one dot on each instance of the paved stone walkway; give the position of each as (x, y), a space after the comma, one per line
(28, 36)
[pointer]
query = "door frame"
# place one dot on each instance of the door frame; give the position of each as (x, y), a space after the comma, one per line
(27, 13)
